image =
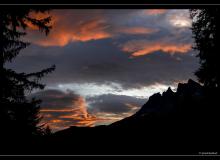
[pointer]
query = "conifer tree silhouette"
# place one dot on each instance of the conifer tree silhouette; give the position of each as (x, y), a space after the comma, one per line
(206, 32)
(18, 115)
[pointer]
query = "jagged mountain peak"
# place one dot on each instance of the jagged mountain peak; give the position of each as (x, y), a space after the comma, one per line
(188, 88)
(169, 101)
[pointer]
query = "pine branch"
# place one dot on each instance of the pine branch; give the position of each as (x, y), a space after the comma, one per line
(42, 73)
(42, 24)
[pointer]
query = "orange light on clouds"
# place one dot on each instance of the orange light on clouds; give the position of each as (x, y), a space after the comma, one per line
(132, 106)
(93, 28)
(155, 11)
(76, 115)
(168, 48)
(56, 110)
(136, 30)
(140, 48)
(56, 121)
(79, 116)
(63, 34)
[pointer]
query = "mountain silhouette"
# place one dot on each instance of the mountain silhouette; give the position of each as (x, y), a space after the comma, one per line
(164, 125)
(186, 106)
(175, 122)
(181, 105)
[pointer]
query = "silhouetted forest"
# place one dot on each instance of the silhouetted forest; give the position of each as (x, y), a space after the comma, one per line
(181, 122)
(19, 117)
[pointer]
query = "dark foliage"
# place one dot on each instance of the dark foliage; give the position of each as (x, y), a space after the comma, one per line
(19, 116)
(206, 32)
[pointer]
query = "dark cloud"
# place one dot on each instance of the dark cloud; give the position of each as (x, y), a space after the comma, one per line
(55, 99)
(102, 61)
(56, 103)
(115, 104)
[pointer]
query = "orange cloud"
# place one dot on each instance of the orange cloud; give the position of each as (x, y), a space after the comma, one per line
(77, 115)
(64, 33)
(140, 48)
(56, 110)
(132, 107)
(155, 11)
(56, 124)
(78, 26)
(55, 121)
(81, 115)
(92, 30)
(86, 31)
(136, 30)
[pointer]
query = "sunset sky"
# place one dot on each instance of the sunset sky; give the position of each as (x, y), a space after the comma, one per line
(108, 62)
